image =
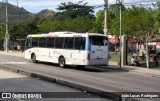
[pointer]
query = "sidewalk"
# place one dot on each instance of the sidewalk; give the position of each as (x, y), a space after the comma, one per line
(20, 54)
(142, 70)
(112, 65)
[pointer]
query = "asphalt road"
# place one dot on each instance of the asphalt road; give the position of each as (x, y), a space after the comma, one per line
(100, 78)
(13, 82)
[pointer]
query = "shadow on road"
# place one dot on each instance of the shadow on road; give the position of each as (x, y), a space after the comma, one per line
(87, 68)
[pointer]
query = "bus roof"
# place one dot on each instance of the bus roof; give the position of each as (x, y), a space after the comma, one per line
(62, 32)
(56, 34)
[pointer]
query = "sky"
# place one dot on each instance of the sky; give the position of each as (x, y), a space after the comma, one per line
(36, 6)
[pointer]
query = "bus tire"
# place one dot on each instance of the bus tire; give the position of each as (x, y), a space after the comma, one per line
(62, 62)
(33, 57)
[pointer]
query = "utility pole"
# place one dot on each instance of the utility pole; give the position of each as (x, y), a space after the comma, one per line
(7, 34)
(106, 17)
(120, 30)
(17, 10)
(147, 54)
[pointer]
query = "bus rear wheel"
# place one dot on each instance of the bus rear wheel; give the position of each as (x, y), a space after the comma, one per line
(33, 57)
(62, 62)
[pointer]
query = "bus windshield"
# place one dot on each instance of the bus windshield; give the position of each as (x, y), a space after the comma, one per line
(98, 40)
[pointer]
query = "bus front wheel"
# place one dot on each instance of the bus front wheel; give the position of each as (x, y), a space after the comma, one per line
(33, 57)
(62, 62)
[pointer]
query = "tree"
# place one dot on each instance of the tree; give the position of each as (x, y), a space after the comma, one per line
(79, 24)
(144, 23)
(74, 10)
(82, 24)
(113, 13)
(21, 29)
(157, 19)
(75, 17)
(32, 23)
(136, 21)
(98, 25)
(18, 31)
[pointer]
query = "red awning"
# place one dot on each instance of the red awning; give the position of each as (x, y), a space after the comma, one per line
(113, 39)
(116, 40)
(132, 40)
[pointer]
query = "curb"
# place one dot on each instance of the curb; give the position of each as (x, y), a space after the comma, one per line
(85, 89)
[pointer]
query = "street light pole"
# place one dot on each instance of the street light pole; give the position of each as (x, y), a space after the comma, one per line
(7, 34)
(106, 17)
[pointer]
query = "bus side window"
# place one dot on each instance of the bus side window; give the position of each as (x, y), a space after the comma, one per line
(83, 43)
(68, 44)
(79, 43)
(35, 42)
(50, 42)
(59, 41)
(42, 41)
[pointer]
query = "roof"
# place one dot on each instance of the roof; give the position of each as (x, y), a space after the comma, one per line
(53, 34)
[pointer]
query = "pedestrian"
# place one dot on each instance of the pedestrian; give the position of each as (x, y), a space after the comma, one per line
(133, 61)
(143, 56)
(14, 48)
(156, 61)
(18, 48)
(137, 62)
(153, 58)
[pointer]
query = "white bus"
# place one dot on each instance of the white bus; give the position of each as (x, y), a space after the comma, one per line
(68, 48)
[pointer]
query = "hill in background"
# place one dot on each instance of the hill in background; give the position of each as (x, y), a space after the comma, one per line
(13, 11)
(45, 14)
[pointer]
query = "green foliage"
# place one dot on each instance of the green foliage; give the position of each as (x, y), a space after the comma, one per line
(32, 25)
(18, 34)
(2, 30)
(157, 19)
(99, 22)
(142, 23)
(79, 24)
(75, 17)
(83, 24)
(22, 29)
(74, 10)
(136, 22)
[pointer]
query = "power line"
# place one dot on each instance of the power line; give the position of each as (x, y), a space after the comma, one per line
(130, 4)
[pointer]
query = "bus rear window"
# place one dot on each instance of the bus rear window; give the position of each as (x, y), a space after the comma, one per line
(98, 40)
